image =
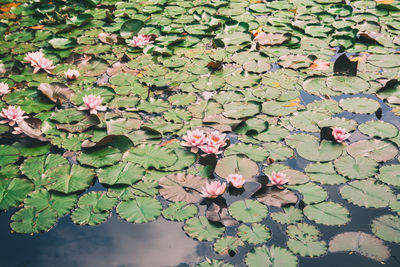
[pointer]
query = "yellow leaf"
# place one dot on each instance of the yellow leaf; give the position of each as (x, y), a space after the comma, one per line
(293, 103)
(140, 75)
(7, 7)
(384, 2)
(276, 84)
(255, 1)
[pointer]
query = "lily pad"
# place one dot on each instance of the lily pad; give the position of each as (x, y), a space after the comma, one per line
(364, 244)
(139, 209)
(13, 191)
(324, 151)
(379, 129)
(387, 227)
(200, 228)
(181, 187)
(179, 211)
(367, 193)
(227, 245)
(151, 156)
(254, 234)
(236, 164)
(359, 105)
(327, 213)
(31, 220)
(390, 175)
(324, 173)
(248, 211)
(357, 167)
(375, 149)
(289, 215)
(273, 256)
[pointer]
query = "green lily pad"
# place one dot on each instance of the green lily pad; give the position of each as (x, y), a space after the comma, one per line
(311, 192)
(31, 220)
(151, 156)
(390, 174)
(359, 105)
(356, 168)
(324, 151)
(181, 187)
(327, 213)
(379, 129)
(200, 228)
(106, 156)
(8, 154)
(254, 234)
(255, 153)
(387, 227)
(367, 193)
(139, 209)
(126, 173)
(303, 240)
(227, 245)
(13, 191)
(248, 211)
(324, 173)
(289, 215)
(179, 211)
(236, 164)
(42, 199)
(273, 256)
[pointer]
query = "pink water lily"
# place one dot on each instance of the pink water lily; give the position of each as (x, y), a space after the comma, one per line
(213, 189)
(278, 178)
(4, 89)
(71, 74)
(216, 138)
(210, 149)
(340, 134)
(38, 61)
(140, 41)
(92, 103)
(194, 139)
(12, 115)
(236, 180)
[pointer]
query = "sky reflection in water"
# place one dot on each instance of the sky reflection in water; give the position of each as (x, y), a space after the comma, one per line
(115, 243)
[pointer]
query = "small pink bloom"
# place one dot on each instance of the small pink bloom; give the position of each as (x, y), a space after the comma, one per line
(140, 41)
(278, 178)
(194, 139)
(236, 180)
(92, 103)
(319, 64)
(12, 115)
(38, 61)
(340, 134)
(71, 74)
(217, 139)
(210, 149)
(213, 189)
(4, 89)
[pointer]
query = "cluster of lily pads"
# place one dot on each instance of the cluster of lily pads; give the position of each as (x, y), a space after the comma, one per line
(115, 91)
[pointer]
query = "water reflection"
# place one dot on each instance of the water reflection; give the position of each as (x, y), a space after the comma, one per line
(116, 243)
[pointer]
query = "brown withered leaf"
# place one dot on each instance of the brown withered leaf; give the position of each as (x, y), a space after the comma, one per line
(56, 92)
(217, 211)
(108, 38)
(31, 128)
(119, 67)
(273, 196)
(81, 126)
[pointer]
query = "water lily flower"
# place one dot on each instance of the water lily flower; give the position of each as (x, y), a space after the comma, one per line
(210, 149)
(194, 139)
(140, 41)
(4, 89)
(278, 178)
(236, 180)
(17, 130)
(213, 189)
(340, 134)
(92, 103)
(319, 64)
(38, 61)
(71, 74)
(12, 115)
(217, 139)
